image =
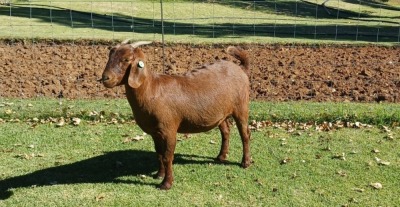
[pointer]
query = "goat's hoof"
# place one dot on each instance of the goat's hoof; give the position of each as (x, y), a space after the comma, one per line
(221, 158)
(158, 176)
(165, 186)
(246, 163)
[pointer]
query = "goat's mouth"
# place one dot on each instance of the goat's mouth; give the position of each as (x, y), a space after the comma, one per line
(108, 82)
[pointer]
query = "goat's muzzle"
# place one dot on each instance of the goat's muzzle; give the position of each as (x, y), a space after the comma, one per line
(108, 80)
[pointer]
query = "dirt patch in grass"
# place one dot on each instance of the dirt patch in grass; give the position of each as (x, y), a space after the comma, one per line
(279, 73)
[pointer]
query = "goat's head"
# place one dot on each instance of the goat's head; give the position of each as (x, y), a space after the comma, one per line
(125, 64)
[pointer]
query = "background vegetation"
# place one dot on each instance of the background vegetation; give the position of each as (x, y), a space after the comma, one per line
(205, 21)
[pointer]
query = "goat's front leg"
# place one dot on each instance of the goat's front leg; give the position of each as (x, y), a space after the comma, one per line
(166, 143)
(158, 143)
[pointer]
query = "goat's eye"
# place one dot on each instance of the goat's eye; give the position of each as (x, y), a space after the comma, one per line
(125, 60)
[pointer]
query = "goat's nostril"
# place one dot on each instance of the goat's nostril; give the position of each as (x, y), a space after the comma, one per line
(103, 78)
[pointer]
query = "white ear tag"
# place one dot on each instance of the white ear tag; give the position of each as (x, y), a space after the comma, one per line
(140, 64)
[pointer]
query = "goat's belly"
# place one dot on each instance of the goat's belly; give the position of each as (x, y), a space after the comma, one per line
(188, 127)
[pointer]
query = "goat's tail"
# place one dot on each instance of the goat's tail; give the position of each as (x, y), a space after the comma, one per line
(242, 56)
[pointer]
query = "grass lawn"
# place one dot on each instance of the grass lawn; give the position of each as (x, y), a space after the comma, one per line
(98, 163)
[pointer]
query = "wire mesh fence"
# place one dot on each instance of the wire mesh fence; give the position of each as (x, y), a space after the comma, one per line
(256, 21)
(66, 45)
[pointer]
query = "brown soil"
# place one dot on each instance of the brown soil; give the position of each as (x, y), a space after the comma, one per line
(279, 73)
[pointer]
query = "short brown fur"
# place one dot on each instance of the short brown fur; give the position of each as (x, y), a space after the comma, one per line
(197, 101)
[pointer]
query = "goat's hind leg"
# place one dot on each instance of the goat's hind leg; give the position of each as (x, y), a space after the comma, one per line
(225, 133)
(244, 131)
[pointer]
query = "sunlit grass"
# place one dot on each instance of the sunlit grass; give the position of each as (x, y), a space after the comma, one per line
(43, 108)
(94, 163)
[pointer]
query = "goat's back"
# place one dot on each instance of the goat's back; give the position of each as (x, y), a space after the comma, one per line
(222, 78)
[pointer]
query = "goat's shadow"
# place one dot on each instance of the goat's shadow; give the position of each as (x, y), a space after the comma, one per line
(106, 168)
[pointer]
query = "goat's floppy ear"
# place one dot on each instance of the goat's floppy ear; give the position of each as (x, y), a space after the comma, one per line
(137, 73)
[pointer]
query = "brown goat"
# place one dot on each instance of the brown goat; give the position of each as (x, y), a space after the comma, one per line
(198, 101)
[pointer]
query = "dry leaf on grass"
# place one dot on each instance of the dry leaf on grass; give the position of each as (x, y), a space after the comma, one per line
(258, 181)
(15, 120)
(375, 151)
(285, 161)
(386, 129)
(76, 121)
(131, 139)
(100, 197)
(358, 189)
(389, 136)
(381, 162)
(61, 122)
(93, 113)
(376, 185)
(138, 138)
(23, 156)
(339, 156)
(8, 111)
(113, 121)
(341, 173)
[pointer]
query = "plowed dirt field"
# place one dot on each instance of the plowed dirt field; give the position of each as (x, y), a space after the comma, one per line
(279, 73)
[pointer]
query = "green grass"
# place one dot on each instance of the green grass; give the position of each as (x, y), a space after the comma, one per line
(367, 113)
(92, 164)
(281, 21)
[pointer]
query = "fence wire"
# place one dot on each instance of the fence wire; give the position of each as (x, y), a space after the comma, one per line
(263, 21)
(253, 23)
